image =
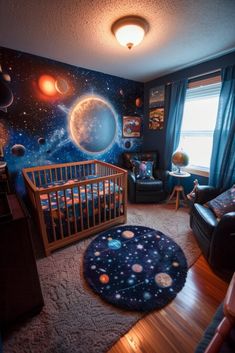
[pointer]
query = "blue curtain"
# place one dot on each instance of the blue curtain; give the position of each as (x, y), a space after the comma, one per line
(177, 94)
(222, 166)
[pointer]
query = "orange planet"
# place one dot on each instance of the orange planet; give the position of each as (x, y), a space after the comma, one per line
(104, 278)
(46, 85)
(138, 102)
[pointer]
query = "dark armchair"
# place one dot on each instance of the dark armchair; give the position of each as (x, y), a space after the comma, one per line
(145, 190)
(216, 237)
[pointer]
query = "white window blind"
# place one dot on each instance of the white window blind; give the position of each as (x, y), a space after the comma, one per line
(199, 118)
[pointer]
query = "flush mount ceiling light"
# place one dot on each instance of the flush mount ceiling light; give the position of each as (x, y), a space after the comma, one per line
(129, 31)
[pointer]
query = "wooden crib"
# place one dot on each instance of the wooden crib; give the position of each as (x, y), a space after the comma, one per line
(74, 200)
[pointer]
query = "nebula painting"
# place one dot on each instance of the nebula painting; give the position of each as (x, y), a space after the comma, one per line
(52, 112)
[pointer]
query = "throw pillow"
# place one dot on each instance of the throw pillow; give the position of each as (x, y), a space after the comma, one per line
(143, 169)
(223, 203)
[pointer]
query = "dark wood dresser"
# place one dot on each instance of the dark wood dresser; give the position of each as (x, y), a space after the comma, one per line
(20, 291)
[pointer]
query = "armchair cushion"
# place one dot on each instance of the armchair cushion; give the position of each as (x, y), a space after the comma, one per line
(143, 169)
(149, 185)
(223, 203)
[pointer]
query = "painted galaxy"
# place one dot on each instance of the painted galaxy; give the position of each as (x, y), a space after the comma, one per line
(52, 112)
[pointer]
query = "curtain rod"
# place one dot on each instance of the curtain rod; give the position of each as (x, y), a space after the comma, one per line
(198, 76)
(205, 74)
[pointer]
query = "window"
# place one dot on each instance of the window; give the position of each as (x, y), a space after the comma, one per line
(199, 118)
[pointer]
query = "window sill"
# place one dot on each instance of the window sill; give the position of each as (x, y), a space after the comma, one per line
(197, 170)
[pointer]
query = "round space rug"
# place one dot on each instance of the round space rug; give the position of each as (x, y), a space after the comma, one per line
(135, 268)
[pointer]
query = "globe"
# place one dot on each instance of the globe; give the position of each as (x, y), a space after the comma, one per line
(180, 159)
(93, 124)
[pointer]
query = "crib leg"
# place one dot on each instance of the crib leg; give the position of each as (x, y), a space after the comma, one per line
(47, 252)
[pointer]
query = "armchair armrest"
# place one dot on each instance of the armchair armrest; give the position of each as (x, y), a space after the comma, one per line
(205, 193)
(161, 174)
(227, 322)
(131, 186)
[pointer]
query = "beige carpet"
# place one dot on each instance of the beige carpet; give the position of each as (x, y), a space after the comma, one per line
(74, 319)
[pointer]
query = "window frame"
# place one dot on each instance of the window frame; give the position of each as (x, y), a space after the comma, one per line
(197, 82)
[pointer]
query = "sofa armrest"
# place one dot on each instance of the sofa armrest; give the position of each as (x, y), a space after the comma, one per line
(222, 245)
(205, 193)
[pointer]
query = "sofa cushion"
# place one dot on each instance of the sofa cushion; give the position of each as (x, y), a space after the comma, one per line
(149, 185)
(143, 169)
(206, 218)
(223, 203)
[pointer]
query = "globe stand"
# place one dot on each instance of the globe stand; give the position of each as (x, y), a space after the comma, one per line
(178, 189)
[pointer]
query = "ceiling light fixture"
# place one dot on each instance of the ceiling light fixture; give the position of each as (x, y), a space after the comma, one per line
(129, 31)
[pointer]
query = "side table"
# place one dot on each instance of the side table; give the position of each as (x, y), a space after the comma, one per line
(178, 188)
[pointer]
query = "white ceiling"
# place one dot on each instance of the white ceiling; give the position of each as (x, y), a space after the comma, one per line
(78, 32)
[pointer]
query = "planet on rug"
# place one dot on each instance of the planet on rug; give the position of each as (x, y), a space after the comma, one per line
(135, 268)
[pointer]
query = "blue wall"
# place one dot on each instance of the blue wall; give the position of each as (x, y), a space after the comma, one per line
(155, 139)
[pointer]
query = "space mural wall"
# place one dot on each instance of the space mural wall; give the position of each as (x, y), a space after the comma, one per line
(52, 112)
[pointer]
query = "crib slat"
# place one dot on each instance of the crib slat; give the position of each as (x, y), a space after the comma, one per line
(87, 207)
(66, 173)
(39, 178)
(119, 206)
(52, 219)
(45, 176)
(104, 195)
(114, 197)
(80, 207)
(93, 204)
(110, 205)
(74, 213)
(33, 176)
(99, 210)
(67, 212)
(59, 215)
(50, 176)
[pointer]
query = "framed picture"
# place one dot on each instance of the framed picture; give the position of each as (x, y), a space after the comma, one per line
(156, 118)
(157, 97)
(156, 107)
(131, 126)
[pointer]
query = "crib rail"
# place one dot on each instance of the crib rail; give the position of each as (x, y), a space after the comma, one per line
(80, 199)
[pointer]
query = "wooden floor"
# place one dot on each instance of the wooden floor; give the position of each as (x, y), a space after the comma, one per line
(179, 326)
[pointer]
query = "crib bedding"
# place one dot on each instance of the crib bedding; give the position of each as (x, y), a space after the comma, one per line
(70, 196)
(64, 205)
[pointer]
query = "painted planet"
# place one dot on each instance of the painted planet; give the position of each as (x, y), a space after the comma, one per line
(6, 77)
(61, 86)
(46, 85)
(127, 144)
(4, 134)
(6, 96)
(138, 102)
(41, 141)
(93, 124)
(18, 150)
